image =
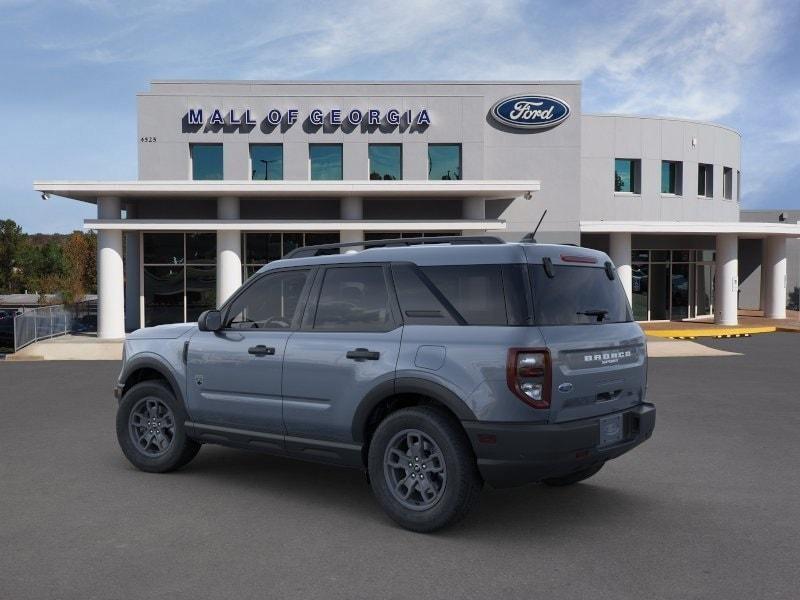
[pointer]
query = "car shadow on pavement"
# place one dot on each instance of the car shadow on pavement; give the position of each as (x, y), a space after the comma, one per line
(515, 512)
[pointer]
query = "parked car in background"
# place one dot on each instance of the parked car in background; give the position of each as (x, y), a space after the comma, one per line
(435, 368)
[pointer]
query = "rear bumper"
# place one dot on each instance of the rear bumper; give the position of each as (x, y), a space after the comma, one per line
(511, 454)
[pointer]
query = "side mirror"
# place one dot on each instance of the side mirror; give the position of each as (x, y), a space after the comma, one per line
(210, 320)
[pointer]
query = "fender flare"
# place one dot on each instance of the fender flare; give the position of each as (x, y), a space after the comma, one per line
(408, 385)
(152, 362)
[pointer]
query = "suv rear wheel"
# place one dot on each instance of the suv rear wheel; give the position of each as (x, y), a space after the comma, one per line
(150, 428)
(422, 469)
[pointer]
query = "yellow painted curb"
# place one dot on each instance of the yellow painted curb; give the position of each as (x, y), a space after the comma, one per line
(708, 332)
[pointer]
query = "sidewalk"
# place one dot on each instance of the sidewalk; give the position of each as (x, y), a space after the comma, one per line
(71, 347)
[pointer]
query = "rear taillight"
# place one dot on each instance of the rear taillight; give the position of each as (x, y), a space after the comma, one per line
(528, 376)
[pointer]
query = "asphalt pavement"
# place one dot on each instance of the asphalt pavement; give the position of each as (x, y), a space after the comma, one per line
(708, 508)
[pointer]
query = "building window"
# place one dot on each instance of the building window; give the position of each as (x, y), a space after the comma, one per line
(385, 162)
(266, 162)
(705, 180)
(727, 183)
(180, 275)
(627, 174)
(325, 162)
(206, 161)
(671, 177)
(444, 161)
(260, 249)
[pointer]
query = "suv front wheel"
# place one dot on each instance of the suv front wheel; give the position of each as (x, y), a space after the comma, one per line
(422, 469)
(150, 428)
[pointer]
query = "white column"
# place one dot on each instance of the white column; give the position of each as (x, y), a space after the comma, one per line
(620, 253)
(132, 266)
(726, 285)
(110, 279)
(229, 251)
(773, 270)
(351, 208)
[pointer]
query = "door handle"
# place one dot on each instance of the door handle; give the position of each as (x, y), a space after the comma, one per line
(363, 354)
(261, 350)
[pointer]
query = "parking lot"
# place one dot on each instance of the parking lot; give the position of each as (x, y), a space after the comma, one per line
(707, 509)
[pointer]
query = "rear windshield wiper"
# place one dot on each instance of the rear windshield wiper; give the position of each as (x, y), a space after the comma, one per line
(595, 312)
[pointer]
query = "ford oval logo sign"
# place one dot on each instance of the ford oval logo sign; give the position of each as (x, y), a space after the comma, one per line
(530, 112)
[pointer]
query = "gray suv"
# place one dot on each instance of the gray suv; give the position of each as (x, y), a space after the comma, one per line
(434, 367)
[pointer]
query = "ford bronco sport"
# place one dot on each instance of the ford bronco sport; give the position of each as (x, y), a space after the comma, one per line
(434, 367)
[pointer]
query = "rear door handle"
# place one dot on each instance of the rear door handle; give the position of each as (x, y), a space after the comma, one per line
(261, 350)
(363, 354)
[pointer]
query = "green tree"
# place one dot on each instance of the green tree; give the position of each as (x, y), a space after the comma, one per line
(79, 277)
(11, 240)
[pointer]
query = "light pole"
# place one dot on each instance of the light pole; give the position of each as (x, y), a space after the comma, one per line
(266, 167)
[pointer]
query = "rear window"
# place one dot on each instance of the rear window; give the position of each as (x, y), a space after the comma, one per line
(577, 296)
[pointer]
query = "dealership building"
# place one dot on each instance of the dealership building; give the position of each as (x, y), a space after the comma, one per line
(235, 174)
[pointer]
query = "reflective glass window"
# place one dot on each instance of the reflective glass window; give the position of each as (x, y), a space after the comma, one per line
(163, 295)
(266, 162)
(201, 248)
(201, 290)
(705, 180)
(326, 161)
(261, 248)
(626, 175)
(444, 161)
(206, 161)
(671, 175)
(163, 248)
(385, 162)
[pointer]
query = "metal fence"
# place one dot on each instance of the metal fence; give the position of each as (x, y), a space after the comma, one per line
(37, 324)
(41, 323)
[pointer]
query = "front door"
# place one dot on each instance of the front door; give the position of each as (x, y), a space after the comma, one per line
(234, 375)
(347, 346)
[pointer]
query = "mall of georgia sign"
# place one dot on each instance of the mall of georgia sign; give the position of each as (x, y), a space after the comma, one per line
(530, 112)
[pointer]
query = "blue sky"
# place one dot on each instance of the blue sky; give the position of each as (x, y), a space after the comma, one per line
(70, 70)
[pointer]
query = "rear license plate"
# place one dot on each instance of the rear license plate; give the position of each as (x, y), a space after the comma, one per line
(610, 430)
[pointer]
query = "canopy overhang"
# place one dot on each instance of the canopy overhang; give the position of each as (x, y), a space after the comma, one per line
(742, 229)
(89, 191)
(291, 225)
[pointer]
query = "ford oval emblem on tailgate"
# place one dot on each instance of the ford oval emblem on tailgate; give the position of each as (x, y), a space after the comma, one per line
(565, 387)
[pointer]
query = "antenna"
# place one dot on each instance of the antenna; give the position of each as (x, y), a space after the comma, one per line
(531, 237)
(539, 223)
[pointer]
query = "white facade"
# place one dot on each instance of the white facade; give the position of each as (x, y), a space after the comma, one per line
(235, 174)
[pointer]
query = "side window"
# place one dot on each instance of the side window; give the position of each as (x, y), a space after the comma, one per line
(353, 299)
(269, 303)
(475, 291)
(418, 303)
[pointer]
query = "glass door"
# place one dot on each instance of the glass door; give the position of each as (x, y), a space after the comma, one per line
(659, 291)
(704, 289)
(680, 291)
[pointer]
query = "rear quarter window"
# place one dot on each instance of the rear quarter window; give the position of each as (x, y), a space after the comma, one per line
(577, 295)
(491, 295)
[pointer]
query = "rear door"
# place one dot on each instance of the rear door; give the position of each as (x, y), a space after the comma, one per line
(234, 375)
(597, 351)
(348, 345)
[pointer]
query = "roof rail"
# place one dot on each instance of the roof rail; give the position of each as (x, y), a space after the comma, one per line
(319, 250)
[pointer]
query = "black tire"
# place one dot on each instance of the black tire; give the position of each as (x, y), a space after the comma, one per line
(573, 477)
(174, 449)
(461, 488)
